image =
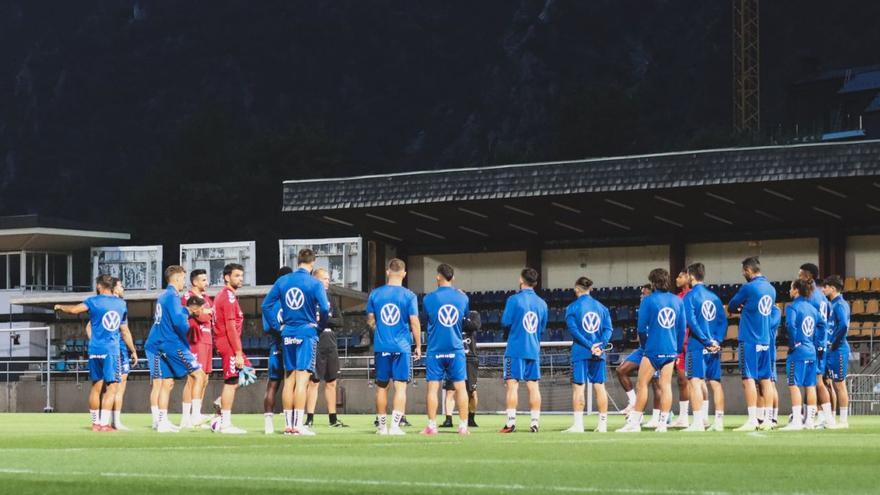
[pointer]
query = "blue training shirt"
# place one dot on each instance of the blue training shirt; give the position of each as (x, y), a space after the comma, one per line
(662, 324)
(820, 302)
(299, 294)
(705, 317)
(589, 323)
(802, 320)
(838, 323)
(170, 321)
(758, 300)
(526, 315)
(106, 314)
(447, 308)
(392, 306)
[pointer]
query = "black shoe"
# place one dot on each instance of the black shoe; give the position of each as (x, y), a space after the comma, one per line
(338, 424)
(507, 429)
(310, 423)
(447, 423)
(376, 422)
(533, 428)
(403, 422)
(472, 424)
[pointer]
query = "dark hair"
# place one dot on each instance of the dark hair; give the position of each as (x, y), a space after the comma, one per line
(648, 287)
(231, 267)
(583, 283)
(803, 287)
(284, 270)
(812, 269)
(659, 278)
(396, 265)
(104, 282)
(195, 301)
(195, 273)
(173, 270)
(697, 270)
(835, 281)
(752, 264)
(529, 276)
(446, 271)
(306, 256)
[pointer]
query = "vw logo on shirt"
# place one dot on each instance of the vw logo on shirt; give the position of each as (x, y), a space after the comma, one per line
(590, 322)
(666, 317)
(390, 314)
(294, 298)
(808, 326)
(708, 310)
(447, 315)
(530, 321)
(111, 321)
(765, 305)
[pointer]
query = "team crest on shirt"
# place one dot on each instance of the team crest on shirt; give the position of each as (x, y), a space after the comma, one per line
(447, 315)
(158, 316)
(231, 296)
(765, 305)
(666, 317)
(294, 298)
(708, 310)
(111, 321)
(808, 326)
(390, 314)
(590, 322)
(530, 321)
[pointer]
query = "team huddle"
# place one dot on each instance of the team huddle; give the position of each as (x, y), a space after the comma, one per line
(680, 332)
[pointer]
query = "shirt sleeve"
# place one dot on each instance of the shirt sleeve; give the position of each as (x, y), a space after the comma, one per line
(371, 310)
(90, 303)
(642, 327)
(699, 326)
(841, 324)
(272, 297)
(738, 299)
(413, 305)
(790, 325)
(507, 315)
(607, 327)
(572, 324)
(681, 326)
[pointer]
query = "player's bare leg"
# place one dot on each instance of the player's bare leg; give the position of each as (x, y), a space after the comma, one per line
(431, 406)
(105, 417)
(398, 406)
(117, 405)
(684, 393)
(155, 391)
(751, 395)
(200, 385)
(300, 394)
(645, 376)
(843, 402)
(655, 404)
(95, 404)
(534, 404)
(824, 398)
(448, 408)
(623, 372)
(810, 422)
(164, 425)
(186, 413)
(287, 401)
(511, 402)
(718, 399)
(577, 405)
(473, 400)
(461, 399)
(382, 407)
(311, 401)
(696, 393)
(665, 382)
(602, 406)
(269, 405)
(796, 422)
(227, 399)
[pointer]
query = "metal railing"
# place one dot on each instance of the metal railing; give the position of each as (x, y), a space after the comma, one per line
(864, 394)
(47, 363)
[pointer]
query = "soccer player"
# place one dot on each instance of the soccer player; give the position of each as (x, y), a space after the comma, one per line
(801, 320)
(837, 355)
(128, 358)
(589, 323)
(469, 330)
(683, 284)
(630, 365)
(524, 319)
(757, 301)
(810, 273)
(108, 316)
(303, 302)
(706, 319)
(326, 361)
(393, 315)
(446, 308)
(228, 319)
(167, 347)
(272, 321)
(661, 327)
(201, 328)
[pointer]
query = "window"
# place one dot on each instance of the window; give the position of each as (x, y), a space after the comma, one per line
(35, 270)
(213, 257)
(139, 267)
(339, 256)
(14, 264)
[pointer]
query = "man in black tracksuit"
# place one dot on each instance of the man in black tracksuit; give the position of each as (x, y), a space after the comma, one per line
(326, 360)
(470, 328)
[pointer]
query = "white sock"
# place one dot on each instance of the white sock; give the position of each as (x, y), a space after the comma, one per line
(796, 415)
(603, 418)
(829, 415)
(163, 416)
(106, 414)
(820, 416)
(383, 421)
(631, 397)
(462, 424)
(683, 408)
(775, 414)
(298, 418)
(395, 418)
(636, 417)
(288, 418)
(196, 408)
(186, 412)
(811, 415)
(664, 417)
(511, 417)
(154, 410)
(268, 421)
(753, 414)
(535, 417)
(759, 414)
(705, 410)
(225, 418)
(432, 424)
(844, 414)
(719, 415)
(655, 415)
(578, 419)
(95, 417)
(116, 417)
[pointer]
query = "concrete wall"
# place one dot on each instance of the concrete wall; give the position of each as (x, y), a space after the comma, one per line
(606, 266)
(863, 256)
(473, 271)
(780, 258)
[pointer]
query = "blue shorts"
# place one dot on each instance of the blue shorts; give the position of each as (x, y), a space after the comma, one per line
(395, 366)
(801, 373)
(635, 356)
(837, 363)
(712, 364)
(447, 366)
(276, 362)
(592, 370)
(754, 361)
(695, 363)
(300, 353)
(659, 361)
(521, 370)
(124, 364)
(820, 363)
(105, 367)
(172, 362)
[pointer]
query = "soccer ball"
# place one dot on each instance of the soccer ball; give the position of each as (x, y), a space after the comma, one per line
(216, 421)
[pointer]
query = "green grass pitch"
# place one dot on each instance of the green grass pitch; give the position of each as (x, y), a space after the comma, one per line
(58, 454)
